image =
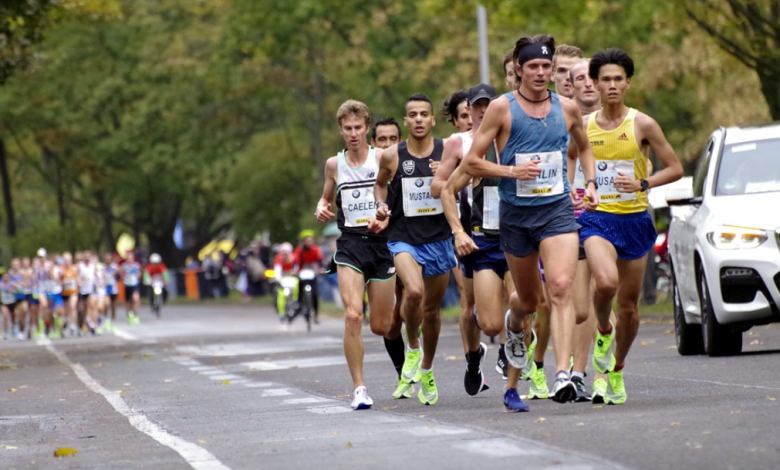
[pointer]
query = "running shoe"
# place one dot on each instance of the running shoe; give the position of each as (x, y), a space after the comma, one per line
(361, 401)
(501, 363)
(474, 381)
(616, 389)
(538, 389)
(404, 390)
(599, 391)
(515, 348)
(133, 319)
(530, 365)
(582, 392)
(428, 393)
(513, 403)
(411, 370)
(563, 389)
(603, 359)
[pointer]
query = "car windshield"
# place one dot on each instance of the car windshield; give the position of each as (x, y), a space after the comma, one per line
(749, 168)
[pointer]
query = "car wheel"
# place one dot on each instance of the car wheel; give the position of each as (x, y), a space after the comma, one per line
(690, 340)
(718, 339)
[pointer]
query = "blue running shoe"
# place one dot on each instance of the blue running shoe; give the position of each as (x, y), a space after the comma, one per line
(513, 403)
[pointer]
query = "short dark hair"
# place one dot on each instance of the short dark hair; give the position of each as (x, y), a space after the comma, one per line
(545, 39)
(508, 57)
(610, 56)
(388, 121)
(450, 109)
(419, 97)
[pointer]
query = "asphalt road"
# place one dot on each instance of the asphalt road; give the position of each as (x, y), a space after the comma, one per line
(216, 388)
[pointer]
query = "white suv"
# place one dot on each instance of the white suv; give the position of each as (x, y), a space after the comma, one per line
(724, 242)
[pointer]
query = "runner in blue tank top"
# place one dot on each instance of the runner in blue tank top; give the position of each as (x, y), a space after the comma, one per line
(531, 127)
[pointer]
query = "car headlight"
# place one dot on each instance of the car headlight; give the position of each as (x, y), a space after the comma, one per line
(726, 237)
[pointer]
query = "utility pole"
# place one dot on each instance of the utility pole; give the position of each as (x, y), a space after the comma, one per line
(484, 70)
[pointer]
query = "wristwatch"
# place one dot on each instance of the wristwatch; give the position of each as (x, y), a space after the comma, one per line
(594, 183)
(645, 185)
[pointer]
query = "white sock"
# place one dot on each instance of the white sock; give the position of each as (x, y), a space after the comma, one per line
(425, 371)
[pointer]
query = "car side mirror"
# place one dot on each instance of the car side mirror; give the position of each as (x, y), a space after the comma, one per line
(687, 201)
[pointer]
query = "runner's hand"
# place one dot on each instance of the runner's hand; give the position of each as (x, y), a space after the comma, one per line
(527, 171)
(624, 184)
(579, 204)
(434, 166)
(323, 213)
(464, 245)
(376, 226)
(591, 199)
(382, 212)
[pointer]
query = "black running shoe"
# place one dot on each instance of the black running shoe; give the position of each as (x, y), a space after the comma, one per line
(474, 382)
(501, 363)
(582, 393)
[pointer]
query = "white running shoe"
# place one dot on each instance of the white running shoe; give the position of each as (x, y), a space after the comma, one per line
(515, 348)
(361, 401)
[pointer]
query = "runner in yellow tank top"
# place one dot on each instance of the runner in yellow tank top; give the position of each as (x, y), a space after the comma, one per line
(618, 236)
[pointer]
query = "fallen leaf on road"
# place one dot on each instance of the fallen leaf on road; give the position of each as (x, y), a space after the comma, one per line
(11, 390)
(669, 332)
(755, 342)
(431, 426)
(10, 447)
(342, 396)
(580, 424)
(216, 361)
(335, 433)
(201, 441)
(541, 420)
(771, 398)
(675, 424)
(120, 391)
(168, 381)
(643, 343)
(349, 444)
(596, 406)
(126, 356)
(64, 452)
(226, 382)
(293, 367)
(453, 358)
(544, 434)
(148, 356)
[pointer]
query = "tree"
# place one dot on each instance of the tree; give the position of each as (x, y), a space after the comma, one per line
(750, 31)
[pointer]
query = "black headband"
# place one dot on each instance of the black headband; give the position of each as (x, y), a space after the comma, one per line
(536, 50)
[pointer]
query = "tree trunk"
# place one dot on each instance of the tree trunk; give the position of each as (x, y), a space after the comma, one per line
(7, 201)
(770, 87)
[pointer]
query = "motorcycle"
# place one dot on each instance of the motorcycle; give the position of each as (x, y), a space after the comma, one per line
(158, 293)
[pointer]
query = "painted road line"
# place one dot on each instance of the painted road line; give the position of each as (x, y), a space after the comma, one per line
(275, 392)
(435, 430)
(329, 410)
(124, 334)
(307, 401)
(303, 363)
(197, 457)
(497, 448)
(254, 349)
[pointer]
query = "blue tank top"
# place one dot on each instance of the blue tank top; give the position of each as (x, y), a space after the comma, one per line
(533, 138)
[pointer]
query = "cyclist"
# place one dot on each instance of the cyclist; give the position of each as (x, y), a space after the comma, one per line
(308, 255)
(284, 266)
(156, 270)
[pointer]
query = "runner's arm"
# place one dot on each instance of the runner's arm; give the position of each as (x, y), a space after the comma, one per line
(388, 162)
(588, 162)
(474, 162)
(651, 132)
(457, 181)
(325, 203)
(453, 148)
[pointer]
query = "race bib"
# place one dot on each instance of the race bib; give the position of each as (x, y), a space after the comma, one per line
(418, 201)
(549, 182)
(358, 206)
(606, 172)
(69, 284)
(579, 177)
(490, 203)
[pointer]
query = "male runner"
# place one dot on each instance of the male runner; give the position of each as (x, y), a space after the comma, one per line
(387, 132)
(530, 128)
(131, 272)
(111, 276)
(363, 261)
(419, 239)
(481, 252)
(510, 77)
(18, 278)
(619, 235)
(565, 57)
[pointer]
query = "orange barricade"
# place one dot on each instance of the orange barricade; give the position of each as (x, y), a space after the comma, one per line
(191, 288)
(120, 291)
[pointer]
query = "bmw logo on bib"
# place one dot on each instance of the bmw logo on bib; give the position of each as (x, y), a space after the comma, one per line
(356, 193)
(419, 183)
(602, 166)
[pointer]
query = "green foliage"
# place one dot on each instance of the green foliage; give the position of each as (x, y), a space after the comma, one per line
(21, 25)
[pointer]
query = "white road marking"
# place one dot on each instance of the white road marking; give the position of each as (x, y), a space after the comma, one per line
(307, 401)
(200, 368)
(197, 457)
(496, 448)
(259, 384)
(275, 392)
(436, 430)
(253, 349)
(225, 377)
(328, 410)
(713, 382)
(125, 335)
(302, 363)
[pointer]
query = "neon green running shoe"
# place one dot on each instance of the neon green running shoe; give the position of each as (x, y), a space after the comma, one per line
(404, 390)
(603, 359)
(538, 388)
(133, 319)
(59, 323)
(599, 391)
(411, 370)
(55, 333)
(616, 389)
(428, 393)
(530, 366)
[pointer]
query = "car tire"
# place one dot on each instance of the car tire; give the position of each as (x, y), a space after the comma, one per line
(690, 340)
(719, 340)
